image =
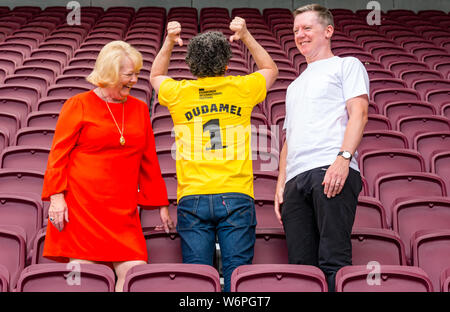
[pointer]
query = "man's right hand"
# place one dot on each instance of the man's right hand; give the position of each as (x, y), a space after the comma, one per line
(278, 201)
(173, 32)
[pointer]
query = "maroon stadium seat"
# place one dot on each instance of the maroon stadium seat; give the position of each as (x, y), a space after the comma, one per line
(270, 247)
(438, 98)
(162, 121)
(40, 136)
(38, 248)
(431, 251)
(172, 277)
(9, 123)
(381, 245)
(384, 96)
(22, 182)
(19, 210)
(411, 76)
(34, 70)
(440, 164)
(413, 125)
(370, 213)
(13, 255)
(150, 217)
(4, 278)
(265, 215)
(373, 164)
(385, 83)
(430, 143)
(42, 119)
(51, 63)
(15, 106)
(20, 92)
(445, 280)
(62, 277)
(392, 189)
(166, 158)
(278, 278)
(428, 213)
(396, 110)
(382, 139)
(163, 247)
(378, 122)
(426, 85)
(4, 139)
(24, 157)
(445, 110)
(39, 83)
(51, 103)
(392, 278)
(73, 81)
(65, 91)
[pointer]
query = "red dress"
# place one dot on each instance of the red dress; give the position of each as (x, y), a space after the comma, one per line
(100, 179)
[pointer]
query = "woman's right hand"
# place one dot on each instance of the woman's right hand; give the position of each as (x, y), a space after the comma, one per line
(58, 211)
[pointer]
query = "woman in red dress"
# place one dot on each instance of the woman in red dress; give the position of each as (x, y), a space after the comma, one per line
(102, 165)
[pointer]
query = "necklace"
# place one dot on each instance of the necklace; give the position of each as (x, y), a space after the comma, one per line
(122, 139)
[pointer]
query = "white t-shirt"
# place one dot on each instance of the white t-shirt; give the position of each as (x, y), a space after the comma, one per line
(316, 114)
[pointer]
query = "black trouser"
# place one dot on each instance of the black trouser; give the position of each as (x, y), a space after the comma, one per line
(318, 229)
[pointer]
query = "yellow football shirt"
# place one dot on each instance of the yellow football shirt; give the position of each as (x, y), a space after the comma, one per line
(211, 118)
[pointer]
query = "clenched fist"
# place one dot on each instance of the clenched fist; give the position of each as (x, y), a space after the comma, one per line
(239, 27)
(173, 32)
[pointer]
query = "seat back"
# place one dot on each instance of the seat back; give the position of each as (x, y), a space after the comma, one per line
(431, 143)
(13, 255)
(22, 211)
(150, 217)
(66, 277)
(373, 164)
(431, 252)
(22, 182)
(4, 278)
(413, 125)
(440, 164)
(163, 247)
(370, 213)
(270, 247)
(278, 278)
(445, 280)
(385, 278)
(391, 189)
(429, 213)
(25, 157)
(37, 136)
(382, 139)
(381, 245)
(172, 277)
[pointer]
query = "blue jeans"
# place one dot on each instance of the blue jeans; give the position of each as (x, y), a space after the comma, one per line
(230, 216)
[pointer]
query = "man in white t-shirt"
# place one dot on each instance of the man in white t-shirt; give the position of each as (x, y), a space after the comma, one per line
(319, 181)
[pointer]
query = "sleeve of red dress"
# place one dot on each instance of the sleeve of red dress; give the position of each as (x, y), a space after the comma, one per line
(152, 188)
(66, 135)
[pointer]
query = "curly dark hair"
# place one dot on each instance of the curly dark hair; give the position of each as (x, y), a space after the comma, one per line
(208, 54)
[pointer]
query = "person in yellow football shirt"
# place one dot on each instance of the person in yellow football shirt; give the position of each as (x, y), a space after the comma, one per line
(211, 116)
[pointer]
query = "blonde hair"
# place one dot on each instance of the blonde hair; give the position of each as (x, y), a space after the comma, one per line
(106, 72)
(325, 15)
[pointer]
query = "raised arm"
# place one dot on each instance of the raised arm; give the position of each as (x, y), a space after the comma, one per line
(266, 66)
(161, 63)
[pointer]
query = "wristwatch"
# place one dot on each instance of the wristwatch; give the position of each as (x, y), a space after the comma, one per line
(347, 155)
